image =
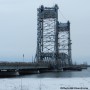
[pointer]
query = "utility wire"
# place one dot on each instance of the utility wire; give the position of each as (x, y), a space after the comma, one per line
(63, 16)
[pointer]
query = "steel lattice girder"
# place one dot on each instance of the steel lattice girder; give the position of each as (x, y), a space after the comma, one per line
(53, 38)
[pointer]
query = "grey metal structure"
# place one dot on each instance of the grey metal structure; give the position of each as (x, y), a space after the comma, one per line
(53, 38)
(64, 43)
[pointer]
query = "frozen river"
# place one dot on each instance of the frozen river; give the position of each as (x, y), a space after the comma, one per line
(69, 80)
(45, 84)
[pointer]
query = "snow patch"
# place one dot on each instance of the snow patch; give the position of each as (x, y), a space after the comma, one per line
(44, 83)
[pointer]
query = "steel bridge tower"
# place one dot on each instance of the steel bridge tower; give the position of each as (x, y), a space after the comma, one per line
(53, 38)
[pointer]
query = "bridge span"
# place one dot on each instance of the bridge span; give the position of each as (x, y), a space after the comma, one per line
(53, 45)
(14, 68)
(21, 65)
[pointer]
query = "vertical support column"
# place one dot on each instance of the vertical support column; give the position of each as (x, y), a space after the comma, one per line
(56, 38)
(64, 44)
(39, 34)
(47, 33)
(56, 46)
(69, 45)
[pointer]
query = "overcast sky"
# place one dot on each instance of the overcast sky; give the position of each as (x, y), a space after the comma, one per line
(18, 26)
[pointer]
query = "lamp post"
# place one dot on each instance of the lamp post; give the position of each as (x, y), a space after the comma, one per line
(23, 57)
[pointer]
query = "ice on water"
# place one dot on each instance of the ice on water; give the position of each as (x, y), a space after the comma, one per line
(43, 83)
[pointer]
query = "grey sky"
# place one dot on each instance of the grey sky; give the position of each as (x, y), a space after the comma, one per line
(18, 26)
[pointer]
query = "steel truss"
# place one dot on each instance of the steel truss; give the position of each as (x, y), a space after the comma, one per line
(53, 38)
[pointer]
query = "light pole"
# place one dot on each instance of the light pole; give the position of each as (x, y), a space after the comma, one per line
(23, 57)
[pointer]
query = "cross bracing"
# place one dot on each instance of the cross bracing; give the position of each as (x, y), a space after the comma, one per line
(53, 38)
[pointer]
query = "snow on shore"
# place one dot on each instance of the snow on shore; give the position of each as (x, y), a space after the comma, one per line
(45, 84)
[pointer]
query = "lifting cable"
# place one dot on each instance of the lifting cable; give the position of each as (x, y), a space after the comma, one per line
(63, 16)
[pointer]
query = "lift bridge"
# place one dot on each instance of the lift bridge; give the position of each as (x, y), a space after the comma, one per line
(53, 38)
(53, 44)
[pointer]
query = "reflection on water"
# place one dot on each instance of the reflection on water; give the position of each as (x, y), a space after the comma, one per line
(83, 73)
(63, 74)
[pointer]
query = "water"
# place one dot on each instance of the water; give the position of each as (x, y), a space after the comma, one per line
(64, 74)
(48, 81)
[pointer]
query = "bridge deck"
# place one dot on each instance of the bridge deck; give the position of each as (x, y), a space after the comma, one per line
(21, 65)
